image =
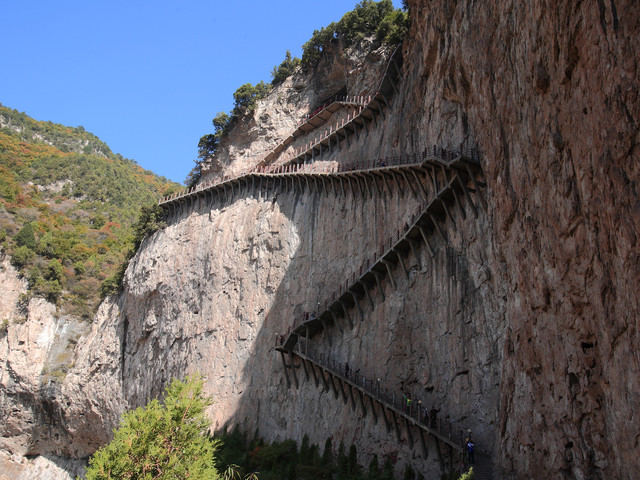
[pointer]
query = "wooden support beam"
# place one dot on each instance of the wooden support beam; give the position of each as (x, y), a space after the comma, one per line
(373, 115)
(395, 424)
(409, 436)
(324, 380)
(426, 240)
(415, 252)
(393, 60)
(378, 275)
(346, 137)
(364, 122)
(477, 188)
(463, 214)
(357, 179)
(286, 373)
(425, 452)
(306, 340)
(388, 264)
(366, 291)
(334, 184)
(446, 209)
(364, 408)
(440, 457)
(364, 180)
(315, 376)
(432, 174)
(434, 220)
(387, 424)
(393, 84)
(353, 400)
(304, 365)
(419, 182)
(397, 177)
(324, 325)
(468, 196)
(293, 369)
(408, 183)
(374, 179)
(346, 312)
(401, 262)
(384, 177)
(335, 320)
(344, 194)
(373, 410)
(355, 300)
(386, 102)
(333, 384)
(344, 395)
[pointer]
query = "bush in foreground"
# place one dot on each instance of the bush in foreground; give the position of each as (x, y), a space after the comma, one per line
(163, 440)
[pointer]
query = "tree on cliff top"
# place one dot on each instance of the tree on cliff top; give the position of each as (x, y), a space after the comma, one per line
(368, 18)
(165, 440)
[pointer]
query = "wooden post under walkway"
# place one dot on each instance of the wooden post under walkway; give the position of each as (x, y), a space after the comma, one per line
(374, 398)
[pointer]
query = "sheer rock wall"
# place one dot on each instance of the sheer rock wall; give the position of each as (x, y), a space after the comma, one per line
(521, 327)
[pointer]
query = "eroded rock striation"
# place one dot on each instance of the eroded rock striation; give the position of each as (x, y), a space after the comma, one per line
(516, 316)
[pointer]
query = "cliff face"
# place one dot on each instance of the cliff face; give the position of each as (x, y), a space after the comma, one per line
(518, 325)
(551, 96)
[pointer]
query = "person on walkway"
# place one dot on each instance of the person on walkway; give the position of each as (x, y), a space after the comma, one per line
(470, 455)
(433, 415)
(409, 403)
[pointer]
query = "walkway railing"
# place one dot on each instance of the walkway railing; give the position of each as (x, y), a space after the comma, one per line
(414, 409)
(446, 155)
(364, 267)
(345, 99)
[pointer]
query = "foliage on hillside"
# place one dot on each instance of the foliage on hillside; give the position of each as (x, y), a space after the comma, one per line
(70, 219)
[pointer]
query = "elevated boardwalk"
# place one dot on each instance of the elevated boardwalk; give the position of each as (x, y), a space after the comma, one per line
(371, 397)
(308, 125)
(451, 183)
(413, 173)
(359, 122)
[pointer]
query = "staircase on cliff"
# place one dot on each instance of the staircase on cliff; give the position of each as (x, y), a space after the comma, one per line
(444, 180)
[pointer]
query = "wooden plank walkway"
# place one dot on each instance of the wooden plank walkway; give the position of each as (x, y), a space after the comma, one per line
(447, 194)
(371, 397)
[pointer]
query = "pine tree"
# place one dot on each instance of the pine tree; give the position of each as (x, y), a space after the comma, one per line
(161, 440)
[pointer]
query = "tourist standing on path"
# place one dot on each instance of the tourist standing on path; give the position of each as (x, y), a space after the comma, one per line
(470, 455)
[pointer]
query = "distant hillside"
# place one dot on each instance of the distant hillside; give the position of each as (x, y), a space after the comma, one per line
(69, 208)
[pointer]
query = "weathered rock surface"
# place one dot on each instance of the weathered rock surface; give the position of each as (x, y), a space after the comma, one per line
(521, 326)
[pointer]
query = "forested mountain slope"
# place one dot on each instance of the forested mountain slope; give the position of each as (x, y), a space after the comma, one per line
(68, 208)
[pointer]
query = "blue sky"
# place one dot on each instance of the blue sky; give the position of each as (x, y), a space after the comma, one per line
(147, 77)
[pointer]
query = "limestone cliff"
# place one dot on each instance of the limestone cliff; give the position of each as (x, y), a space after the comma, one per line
(517, 322)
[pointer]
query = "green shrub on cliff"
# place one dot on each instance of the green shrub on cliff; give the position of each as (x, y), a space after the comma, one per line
(285, 69)
(369, 18)
(163, 440)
